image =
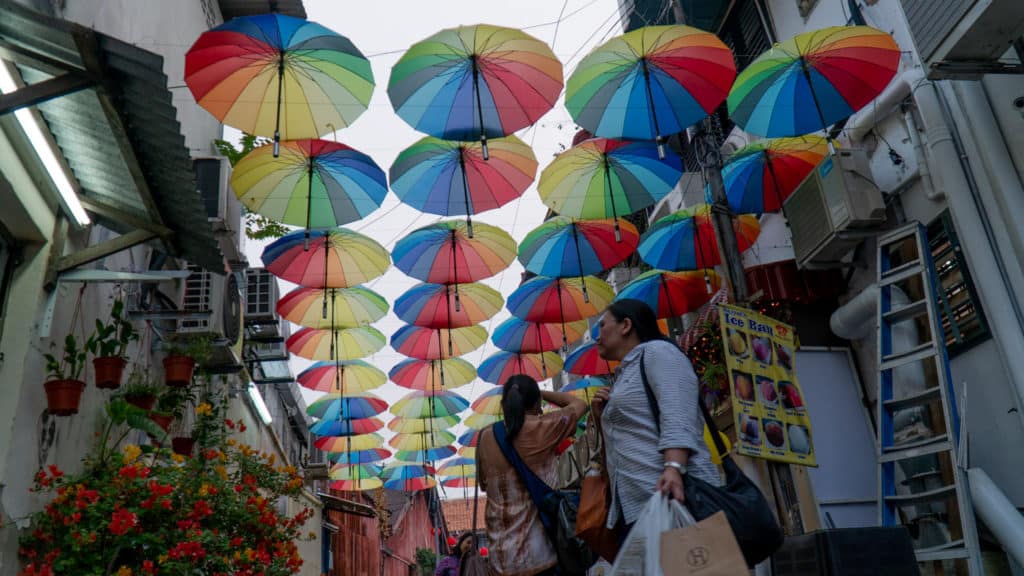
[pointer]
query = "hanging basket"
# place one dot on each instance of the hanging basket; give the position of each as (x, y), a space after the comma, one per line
(183, 445)
(63, 396)
(178, 370)
(144, 401)
(108, 371)
(162, 420)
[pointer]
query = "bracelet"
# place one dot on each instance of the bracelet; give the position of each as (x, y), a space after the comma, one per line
(676, 466)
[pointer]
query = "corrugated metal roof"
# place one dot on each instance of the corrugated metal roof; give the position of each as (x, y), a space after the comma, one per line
(234, 8)
(133, 80)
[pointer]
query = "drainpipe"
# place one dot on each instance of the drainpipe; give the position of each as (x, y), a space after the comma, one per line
(932, 187)
(998, 513)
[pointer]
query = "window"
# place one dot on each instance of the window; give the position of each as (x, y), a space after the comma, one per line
(963, 320)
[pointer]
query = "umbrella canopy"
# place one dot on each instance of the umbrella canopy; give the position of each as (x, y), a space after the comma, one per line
(312, 183)
(458, 467)
(422, 440)
(274, 75)
(544, 299)
(332, 307)
(672, 294)
(760, 176)
(427, 374)
(359, 456)
(418, 425)
(515, 335)
(562, 247)
(498, 367)
(489, 402)
(419, 404)
(476, 421)
(350, 427)
(334, 407)
(344, 344)
(437, 344)
(360, 485)
(469, 438)
(585, 361)
(346, 377)
(459, 482)
(448, 178)
(428, 455)
(335, 258)
(354, 471)
(649, 83)
(349, 443)
(467, 451)
(685, 240)
(475, 82)
(448, 305)
(408, 477)
(813, 80)
(585, 388)
(444, 253)
(602, 178)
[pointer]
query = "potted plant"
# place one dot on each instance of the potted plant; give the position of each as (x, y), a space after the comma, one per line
(64, 386)
(174, 401)
(109, 344)
(181, 360)
(140, 390)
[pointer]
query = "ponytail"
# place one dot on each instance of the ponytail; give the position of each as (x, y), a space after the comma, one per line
(519, 394)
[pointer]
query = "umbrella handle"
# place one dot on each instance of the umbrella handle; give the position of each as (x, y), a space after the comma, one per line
(479, 108)
(277, 121)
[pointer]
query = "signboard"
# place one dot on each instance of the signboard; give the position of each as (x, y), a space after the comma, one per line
(768, 405)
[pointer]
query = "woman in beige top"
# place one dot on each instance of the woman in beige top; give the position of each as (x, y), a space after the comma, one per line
(518, 544)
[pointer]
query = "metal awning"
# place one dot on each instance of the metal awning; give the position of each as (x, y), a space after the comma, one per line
(234, 8)
(110, 112)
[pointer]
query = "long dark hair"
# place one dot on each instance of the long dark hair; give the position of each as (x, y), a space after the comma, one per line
(519, 394)
(457, 549)
(645, 323)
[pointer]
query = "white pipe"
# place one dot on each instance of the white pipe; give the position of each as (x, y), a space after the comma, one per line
(855, 319)
(997, 512)
(896, 92)
(932, 187)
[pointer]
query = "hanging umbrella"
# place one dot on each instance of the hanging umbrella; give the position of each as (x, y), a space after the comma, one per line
(346, 377)
(498, 367)
(274, 75)
(515, 335)
(332, 307)
(313, 183)
(407, 477)
(443, 253)
(489, 402)
(476, 421)
(350, 427)
(544, 299)
(672, 294)
(358, 456)
(360, 485)
(813, 80)
(601, 178)
(469, 438)
(459, 481)
(349, 443)
(437, 344)
(458, 467)
(475, 82)
(760, 176)
(585, 361)
(422, 440)
(354, 471)
(685, 240)
(562, 247)
(467, 451)
(426, 456)
(426, 374)
(433, 305)
(418, 425)
(334, 407)
(336, 258)
(419, 404)
(650, 83)
(449, 178)
(585, 388)
(344, 344)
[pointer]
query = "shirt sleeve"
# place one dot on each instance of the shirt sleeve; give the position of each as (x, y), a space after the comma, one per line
(675, 388)
(558, 425)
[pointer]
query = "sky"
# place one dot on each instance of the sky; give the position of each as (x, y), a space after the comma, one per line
(383, 31)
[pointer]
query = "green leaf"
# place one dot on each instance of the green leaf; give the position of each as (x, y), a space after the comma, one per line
(139, 420)
(117, 409)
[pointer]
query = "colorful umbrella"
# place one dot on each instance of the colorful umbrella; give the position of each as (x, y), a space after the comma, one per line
(346, 377)
(515, 335)
(477, 421)
(447, 178)
(459, 481)
(274, 75)
(428, 455)
(760, 176)
(334, 407)
(359, 456)
(585, 388)
(467, 451)
(469, 438)
(418, 425)
(436, 305)
(354, 471)
(562, 247)
(350, 427)
(649, 83)
(361, 485)
(585, 361)
(332, 307)
(420, 404)
(313, 183)
(429, 343)
(458, 467)
(813, 80)
(443, 252)
(489, 402)
(426, 374)
(544, 299)
(345, 344)
(475, 82)
(422, 440)
(685, 240)
(498, 367)
(335, 258)
(672, 294)
(601, 178)
(407, 477)
(349, 443)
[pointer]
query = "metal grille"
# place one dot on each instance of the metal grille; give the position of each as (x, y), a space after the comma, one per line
(259, 293)
(198, 298)
(744, 33)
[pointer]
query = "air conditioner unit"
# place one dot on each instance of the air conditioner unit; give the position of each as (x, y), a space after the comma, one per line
(261, 296)
(223, 210)
(221, 296)
(963, 39)
(834, 209)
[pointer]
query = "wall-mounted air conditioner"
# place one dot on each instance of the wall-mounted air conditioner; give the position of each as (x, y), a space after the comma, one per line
(223, 210)
(834, 209)
(220, 295)
(261, 296)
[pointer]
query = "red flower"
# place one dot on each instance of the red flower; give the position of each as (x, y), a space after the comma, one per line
(54, 471)
(121, 521)
(201, 509)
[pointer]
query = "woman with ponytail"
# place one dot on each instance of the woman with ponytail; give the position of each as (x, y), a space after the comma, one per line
(518, 544)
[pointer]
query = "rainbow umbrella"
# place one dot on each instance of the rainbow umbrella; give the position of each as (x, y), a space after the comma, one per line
(354, 471)
(476, 421)
(422, 440)
(458, 467)
(544, 299)
(685, 240)
(419, 404)
(346, 377)
(436, 305)
(672, 294)
(332, 307)
(344, 344)
(760, 176)
(498, 367)
(601, 178)
(467, 451)
(313, 183)
(469, 438)
(459, 481)
(358, 456)
(351, 427)
(349, 443)
(360, 485)
(448, 178)
(515, 335)
(428, 343)
(489, 402)
(444, 253)
(585, 361)
(835, 72)
(650, 83)
(408, 477)
(335, 258)
(585, 388)
(334, 407)
(428, 455)
(562, 247)
(475, 82)
(274, 75)
(426, 374)
(418, 425)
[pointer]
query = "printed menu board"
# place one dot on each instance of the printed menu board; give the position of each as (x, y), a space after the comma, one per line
(768, 405)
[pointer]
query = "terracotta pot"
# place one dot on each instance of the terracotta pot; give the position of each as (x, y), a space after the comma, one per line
(108, 371)
(183, 445)
(162, 420)
(145, 401)
(178, 370)
(63, 396)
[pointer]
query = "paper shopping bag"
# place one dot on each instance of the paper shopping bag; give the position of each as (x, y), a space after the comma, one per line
(707, 548)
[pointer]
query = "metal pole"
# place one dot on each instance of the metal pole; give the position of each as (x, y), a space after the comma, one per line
(728, 247)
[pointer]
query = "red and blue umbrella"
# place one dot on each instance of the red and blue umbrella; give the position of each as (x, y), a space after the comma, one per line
(515, 335)
(355, 477)
(345, 377)
(563, 247)
(544, 299)
(585, 361)
(585, 388)
(469, 438)
(419, 374)
(444, 253)
(672, 294)
(685, 240)
(500, 366)
(358, 456)
(332, 307)
(408, 477)
(430, 343)
(335, 407)
(448, 305)
(489, 402)
(760, 176)
(335, 258)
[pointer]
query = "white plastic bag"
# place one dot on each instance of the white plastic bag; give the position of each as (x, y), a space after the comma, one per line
(640, 554)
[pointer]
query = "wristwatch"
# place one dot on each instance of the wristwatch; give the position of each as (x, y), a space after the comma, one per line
(676, 466)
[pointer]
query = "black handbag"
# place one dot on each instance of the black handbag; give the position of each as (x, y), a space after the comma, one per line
(749, 515)
(557, 510)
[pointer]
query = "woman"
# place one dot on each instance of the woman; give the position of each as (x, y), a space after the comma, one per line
(644, 455)
(451, 564)
(518, 544)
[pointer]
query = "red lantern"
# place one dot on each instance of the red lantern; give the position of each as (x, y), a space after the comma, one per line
(452, 541)
(484, 552)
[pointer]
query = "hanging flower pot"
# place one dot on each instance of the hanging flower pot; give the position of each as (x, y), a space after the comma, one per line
(178, 370)
(108, 371)
(144, 401)
(183, 445)
(162, 420)
(63, 396)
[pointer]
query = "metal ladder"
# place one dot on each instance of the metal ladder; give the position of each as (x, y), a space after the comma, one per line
(923, 484)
